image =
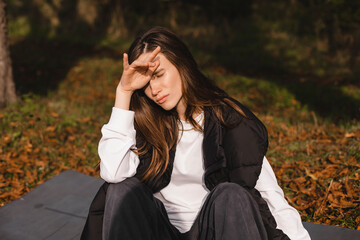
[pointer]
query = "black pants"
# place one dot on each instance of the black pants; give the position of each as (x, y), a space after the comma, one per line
(132, 213)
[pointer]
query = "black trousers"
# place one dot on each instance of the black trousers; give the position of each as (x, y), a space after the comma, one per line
(132, 213)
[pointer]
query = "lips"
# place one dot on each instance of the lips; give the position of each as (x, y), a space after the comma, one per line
(161, 99)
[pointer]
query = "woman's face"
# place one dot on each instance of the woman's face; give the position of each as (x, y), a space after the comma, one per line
(164, 87)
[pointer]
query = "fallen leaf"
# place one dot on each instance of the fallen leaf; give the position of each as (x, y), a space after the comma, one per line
(349, 135)
(50, 129)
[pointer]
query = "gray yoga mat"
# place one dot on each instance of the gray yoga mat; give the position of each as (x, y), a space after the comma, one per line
(57, 209)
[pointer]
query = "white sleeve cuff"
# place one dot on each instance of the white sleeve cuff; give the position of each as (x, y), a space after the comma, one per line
(121, 120)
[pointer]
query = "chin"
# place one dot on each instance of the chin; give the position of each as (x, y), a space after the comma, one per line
(167, 106)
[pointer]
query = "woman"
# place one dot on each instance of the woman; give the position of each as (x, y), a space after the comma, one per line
(181, 159)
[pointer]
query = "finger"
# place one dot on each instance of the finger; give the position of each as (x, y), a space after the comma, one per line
(139, 64)
(154, 65)
(153, 68)
(125, 61)
(153, 54)
(140, 67)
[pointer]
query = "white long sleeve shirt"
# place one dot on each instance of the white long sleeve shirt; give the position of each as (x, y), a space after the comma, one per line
(186, 192)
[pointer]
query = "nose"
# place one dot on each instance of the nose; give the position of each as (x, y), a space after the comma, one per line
(154, 87)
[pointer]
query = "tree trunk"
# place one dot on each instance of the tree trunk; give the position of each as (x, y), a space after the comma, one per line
(117, 24)
(49, 11)
(7, 86)
(87, 11)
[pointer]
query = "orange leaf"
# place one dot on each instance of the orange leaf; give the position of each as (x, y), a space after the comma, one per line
(4, 184)
(50, 129)
(7, 138)
(357, 220)
(84, 120)
(54, 114)
(9, 194)
(349, 135)
(14, 170)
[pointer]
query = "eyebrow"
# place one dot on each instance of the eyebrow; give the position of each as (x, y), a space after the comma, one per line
(157, 71)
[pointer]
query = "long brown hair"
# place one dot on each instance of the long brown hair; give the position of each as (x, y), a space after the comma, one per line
(157, 128)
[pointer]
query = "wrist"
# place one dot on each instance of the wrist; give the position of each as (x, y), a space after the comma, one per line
(123, 98)
(122, 91)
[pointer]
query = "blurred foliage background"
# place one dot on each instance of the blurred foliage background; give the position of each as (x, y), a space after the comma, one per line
(296, 64)
(296, 43)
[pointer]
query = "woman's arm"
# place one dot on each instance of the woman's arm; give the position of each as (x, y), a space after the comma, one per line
(286, 217)
(117, 160)
(118, 137)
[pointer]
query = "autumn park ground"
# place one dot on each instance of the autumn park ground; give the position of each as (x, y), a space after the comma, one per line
(67, 89)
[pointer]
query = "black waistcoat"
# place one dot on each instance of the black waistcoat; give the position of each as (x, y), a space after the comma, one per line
(231, 154)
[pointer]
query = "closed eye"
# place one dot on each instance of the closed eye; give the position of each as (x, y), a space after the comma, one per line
(159, 75)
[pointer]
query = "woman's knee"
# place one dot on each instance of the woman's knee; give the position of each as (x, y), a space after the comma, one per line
(126, 185)
(127, 190)
(232, 192)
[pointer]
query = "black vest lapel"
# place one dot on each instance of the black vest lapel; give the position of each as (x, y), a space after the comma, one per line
(214, 156)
